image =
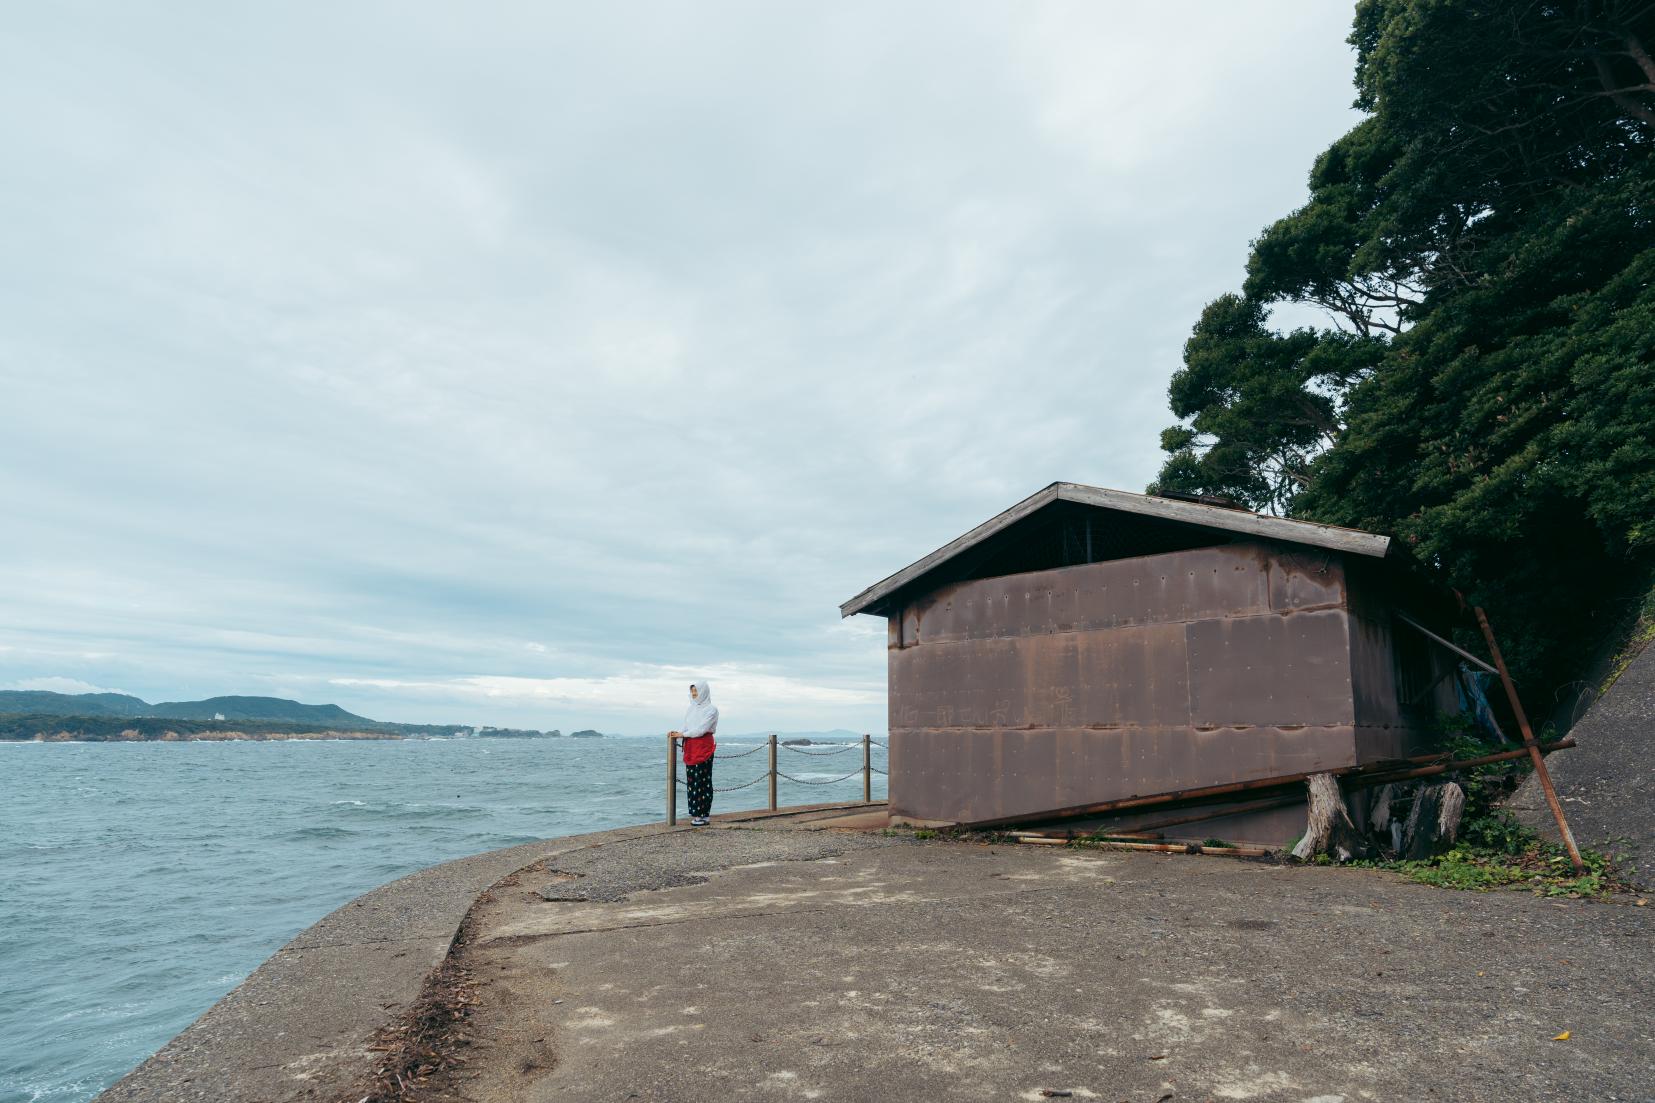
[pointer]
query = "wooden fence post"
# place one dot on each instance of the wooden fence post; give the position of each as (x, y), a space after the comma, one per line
(672, 781)
(867, 768)
(772, 771)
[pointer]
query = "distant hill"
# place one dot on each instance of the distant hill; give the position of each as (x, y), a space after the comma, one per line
(586, 733)
(256, 708)
(43, 703)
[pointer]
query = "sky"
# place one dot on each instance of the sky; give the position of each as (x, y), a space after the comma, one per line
(516, 364)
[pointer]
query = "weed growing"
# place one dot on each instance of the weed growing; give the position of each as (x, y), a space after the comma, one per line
(1518, 859)
(1494, 851)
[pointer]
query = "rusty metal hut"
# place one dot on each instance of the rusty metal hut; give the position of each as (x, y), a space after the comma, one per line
(1088, 646)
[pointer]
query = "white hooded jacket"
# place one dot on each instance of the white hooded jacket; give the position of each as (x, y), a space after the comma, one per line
(701, 718)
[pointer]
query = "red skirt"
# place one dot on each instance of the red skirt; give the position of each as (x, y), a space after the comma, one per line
(698, 749)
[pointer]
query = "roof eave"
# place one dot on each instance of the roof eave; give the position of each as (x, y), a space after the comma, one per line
(1331, 537)
(863, 601)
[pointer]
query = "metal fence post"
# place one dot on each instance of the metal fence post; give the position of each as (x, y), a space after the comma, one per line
(672, 781)
(867, 768)
(772, 771)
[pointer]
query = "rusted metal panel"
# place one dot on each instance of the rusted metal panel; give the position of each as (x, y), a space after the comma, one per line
(1230, 580)
(984, 775)
(1305, 580)
(1126, 676)
(1400, 682)
(1271, 670)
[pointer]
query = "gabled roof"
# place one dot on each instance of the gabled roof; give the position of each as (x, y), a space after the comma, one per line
(1120, 502)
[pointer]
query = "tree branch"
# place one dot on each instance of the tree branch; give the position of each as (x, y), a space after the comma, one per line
(1607, 78)
(1636, 51)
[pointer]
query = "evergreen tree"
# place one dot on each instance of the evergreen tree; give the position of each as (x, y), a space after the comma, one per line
(1484, 246)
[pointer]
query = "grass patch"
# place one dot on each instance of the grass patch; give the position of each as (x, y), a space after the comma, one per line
(911, 833)
(1497, 852)
(1494, 851)
(1543, 870)
(1643, 634)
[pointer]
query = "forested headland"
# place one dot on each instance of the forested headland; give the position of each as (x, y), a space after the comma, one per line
(54, 728)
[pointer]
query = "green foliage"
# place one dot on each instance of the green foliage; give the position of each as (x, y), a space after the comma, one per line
(1496, 832)
(1543, 870)
(1260, 404)
(1458, 870)
(1641, 636)
(1482, 245)
(1494, 850)
(1218, 844)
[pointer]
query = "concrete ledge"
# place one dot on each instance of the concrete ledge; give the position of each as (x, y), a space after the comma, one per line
(298, 1027)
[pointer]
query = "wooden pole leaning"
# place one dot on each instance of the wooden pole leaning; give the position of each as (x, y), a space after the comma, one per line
(867, 768)
(1529, 742)
(772, 771)
(672, 781)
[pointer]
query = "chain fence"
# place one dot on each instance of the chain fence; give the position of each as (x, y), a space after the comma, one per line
(774, 773)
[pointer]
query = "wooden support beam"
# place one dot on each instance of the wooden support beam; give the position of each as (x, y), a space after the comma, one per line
(1433, 637)
(1162, 848)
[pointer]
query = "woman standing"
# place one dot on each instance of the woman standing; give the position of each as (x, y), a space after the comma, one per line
(700, 721)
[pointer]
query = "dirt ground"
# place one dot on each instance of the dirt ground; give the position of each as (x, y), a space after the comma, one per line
(766, 963)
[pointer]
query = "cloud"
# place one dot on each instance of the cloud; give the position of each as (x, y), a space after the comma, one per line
(645, 336)
(60, 685)
(660, 689)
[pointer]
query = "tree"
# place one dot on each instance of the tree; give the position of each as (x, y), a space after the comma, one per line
(1260, 404)
(1482, 245)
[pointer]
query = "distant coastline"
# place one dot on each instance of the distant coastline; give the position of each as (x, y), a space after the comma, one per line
(43, 716)
(109, 729)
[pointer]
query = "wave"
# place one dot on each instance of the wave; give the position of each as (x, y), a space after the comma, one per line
(404, 813)
(320, 832)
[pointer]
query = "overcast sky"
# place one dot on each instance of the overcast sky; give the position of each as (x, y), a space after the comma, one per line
(514, 363)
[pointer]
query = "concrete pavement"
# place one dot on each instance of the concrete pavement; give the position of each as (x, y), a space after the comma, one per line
(770, 964)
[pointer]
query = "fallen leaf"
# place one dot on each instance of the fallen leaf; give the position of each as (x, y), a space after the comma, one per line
(1563, 1037)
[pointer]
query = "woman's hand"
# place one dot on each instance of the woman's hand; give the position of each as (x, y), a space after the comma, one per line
(675, 736)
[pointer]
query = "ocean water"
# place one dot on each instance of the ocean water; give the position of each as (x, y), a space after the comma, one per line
(140, 882)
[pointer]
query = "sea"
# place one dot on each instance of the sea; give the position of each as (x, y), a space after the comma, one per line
(139, 882)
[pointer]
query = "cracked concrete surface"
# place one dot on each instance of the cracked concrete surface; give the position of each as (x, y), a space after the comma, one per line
(878, 968)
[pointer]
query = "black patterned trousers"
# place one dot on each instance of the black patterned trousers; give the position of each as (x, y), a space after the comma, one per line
(698, 779)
